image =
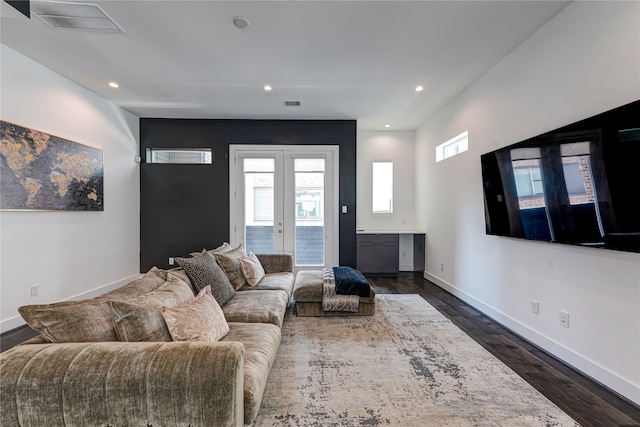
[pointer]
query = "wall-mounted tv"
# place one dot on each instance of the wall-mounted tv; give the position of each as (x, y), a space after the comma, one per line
(579, 184)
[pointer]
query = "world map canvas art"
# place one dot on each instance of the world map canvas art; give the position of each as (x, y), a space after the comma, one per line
(39, 171)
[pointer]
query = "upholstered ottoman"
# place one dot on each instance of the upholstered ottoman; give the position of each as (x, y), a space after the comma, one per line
(307, 294)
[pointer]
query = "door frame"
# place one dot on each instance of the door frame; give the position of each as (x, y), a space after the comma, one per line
(332, 242)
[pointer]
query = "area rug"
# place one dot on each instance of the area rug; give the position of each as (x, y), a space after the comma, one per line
(405, 366)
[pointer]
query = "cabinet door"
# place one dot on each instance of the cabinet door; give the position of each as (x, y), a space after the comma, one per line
(366, 261)
(388, 259)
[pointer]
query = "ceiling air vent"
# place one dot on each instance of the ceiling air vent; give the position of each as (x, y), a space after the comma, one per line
(291, 103)
(75, 16)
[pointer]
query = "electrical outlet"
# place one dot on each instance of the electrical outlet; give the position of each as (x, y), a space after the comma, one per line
(564, 319)
(441, 266)
(535, 306)
(35, 290)
(171, 260)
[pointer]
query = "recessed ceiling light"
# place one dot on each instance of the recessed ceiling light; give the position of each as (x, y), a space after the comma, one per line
(387, 126)
(267, 88)
(240, 22)
(114, 85)
(419, 88)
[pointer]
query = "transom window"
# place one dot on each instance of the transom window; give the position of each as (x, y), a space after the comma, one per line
(456, 145)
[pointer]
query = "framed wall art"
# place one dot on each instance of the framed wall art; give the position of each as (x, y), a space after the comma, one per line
(43, 172)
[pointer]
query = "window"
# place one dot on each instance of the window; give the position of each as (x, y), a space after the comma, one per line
(262, 203)
(528, 180)
(456, 145)
(309, 179)
(528, 177)
(576, 165)
(193, 156)
(382, 185)
(258, 178)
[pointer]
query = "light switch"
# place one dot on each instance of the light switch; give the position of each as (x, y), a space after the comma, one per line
(344, 209)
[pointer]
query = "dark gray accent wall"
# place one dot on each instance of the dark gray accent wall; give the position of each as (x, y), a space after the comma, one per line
(185, 208)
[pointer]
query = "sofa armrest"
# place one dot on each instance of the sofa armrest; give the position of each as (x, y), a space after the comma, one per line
(117, 383)
(276, 263)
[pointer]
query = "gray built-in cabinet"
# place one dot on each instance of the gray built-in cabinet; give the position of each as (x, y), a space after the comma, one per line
(378, 254)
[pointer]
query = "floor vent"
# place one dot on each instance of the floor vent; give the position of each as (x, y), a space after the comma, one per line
(75, 16)
(291, 103)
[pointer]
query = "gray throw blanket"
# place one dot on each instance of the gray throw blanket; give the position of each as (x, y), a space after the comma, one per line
(331, 301)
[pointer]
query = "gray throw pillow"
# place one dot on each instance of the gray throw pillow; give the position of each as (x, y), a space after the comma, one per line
(230, 263)
(203, 270)
(140, 319)
(71, 321)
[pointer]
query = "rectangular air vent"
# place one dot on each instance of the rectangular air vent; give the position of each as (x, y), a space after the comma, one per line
(75, 16)
(291, 103)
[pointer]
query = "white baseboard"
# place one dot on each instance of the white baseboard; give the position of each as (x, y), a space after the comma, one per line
(587, 367)
(17, 321)
(405, 267)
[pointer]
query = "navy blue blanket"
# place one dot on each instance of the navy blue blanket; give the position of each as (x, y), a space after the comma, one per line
(350, 281)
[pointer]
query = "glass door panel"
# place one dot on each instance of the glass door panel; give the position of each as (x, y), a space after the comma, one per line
(285, 199)
(309, 211)
(259, 204)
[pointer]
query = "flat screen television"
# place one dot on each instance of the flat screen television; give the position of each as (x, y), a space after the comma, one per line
(579, 184)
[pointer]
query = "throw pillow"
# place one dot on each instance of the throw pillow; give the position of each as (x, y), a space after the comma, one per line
(71, 321)
(140, 319)
(203, 271)
(224, 247)
(200, 319)
(252, 269)
(230, 263)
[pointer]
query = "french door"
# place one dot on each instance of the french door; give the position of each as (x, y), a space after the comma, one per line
(285, 199)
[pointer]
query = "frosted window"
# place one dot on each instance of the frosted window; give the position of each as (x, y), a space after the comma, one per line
(193, 156)
(382, 185)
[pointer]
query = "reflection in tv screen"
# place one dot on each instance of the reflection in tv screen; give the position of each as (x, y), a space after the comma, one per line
(579, 184)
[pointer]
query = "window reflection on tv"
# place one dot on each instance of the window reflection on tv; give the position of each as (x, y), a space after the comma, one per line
(579, 184)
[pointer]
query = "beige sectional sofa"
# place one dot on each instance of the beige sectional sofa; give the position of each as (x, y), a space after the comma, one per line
(147, 383)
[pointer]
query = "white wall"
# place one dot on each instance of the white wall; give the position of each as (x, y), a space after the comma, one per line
(69, 254)
(399, 148)
(583, 62)
(384, 146)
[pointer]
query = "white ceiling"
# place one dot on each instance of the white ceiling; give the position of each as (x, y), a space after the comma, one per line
(341, 59)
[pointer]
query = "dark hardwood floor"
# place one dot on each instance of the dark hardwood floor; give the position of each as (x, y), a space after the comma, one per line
(585, 400)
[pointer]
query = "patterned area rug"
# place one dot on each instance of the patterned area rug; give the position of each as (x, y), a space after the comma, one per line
(406, 366)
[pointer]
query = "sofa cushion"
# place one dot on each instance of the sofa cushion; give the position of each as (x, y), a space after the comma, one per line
(308, 288)
(182, 275)
(203, 270)
(273, 281)
(251, 269)
(261, 342)
(151, 280)
(141, 320)
(276, 262)
(230, 263)
(200, 319)
(268, 306)
(71, 321)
